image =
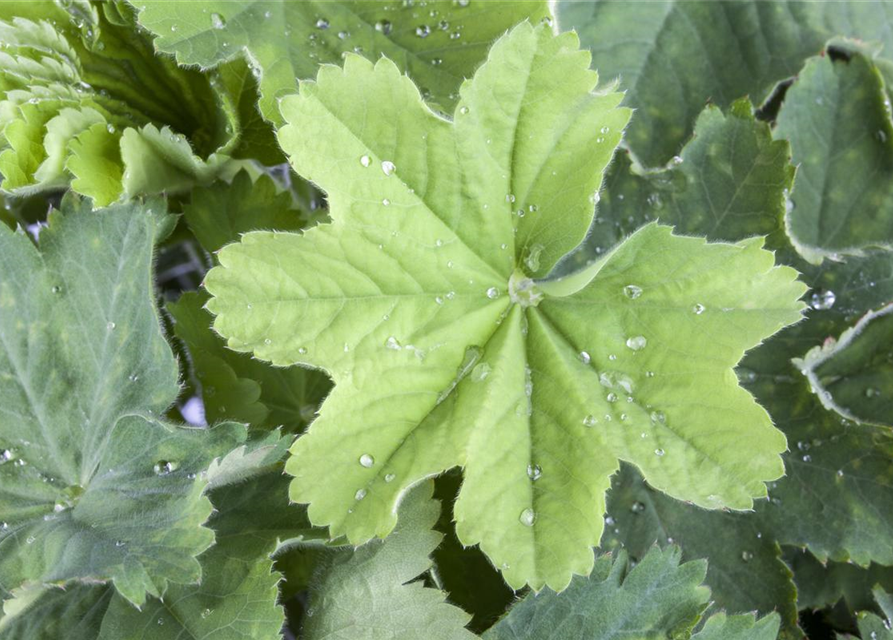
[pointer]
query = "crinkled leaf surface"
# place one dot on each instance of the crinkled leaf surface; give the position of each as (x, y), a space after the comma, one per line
(94, 485)
(854, 374)
(417, 301)
(675, 56)
(744, 570)
(369, 593)
(656, 598)
(837, 117)
(438, 44)
(86, 101)
(237, 598)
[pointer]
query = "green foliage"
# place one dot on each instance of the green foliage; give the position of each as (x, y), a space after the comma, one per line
(86, 101)
(449, 332)
(96, 485)
(637, 329)
(437, 44)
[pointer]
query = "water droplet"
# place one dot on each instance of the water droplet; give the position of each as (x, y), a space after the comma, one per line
(268, 14)
(612, 357)
(698, 309)
(658, 417)
(659, 452)
(649, 374)
(173, 28)
(611, 397)
(385, 202)
(747, 556)
(366, 460)
(492, 293)
(637, 507)
(636, 343)
(807, 458)
(871, 392)
(56, 289)
(365, 161)
(527, 517)
(30, 539)
(120, 543)
(218, 21)
(383, 26)
(360, 494)
(533, 257)
(480, 372)
(206, 613)
(463, 110)
(322, 23)
(388, 167)
(822, 300)
(393, 344)
(632, 292)
(881, 135)
(534, 472)
(590, 421)
(677, 160)
(110, 128)
(423, 31)
(389, 477)
(585, 358)
(302, 350)
(438, 299)
(509, 197)
(268, 341)
(164, 467)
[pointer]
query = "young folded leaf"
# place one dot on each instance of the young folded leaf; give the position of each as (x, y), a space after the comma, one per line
(437, 44)
(420, 300)
(94, 483)
(85, 100)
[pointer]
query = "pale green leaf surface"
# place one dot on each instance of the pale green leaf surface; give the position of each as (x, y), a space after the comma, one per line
(94, 485)
(656, 598)
(370, 593)
(675, 56)
(744, 569)
(417, 308)
(837, 118)
(853, 375)
(438, 45)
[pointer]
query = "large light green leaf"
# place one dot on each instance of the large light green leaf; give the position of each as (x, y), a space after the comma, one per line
(438, 44)
(94, 484)
(656, 598)
(86, 101)
(837, 117)
(369, 593)
(854, 375)
(675, 56)
(417, 301)
(237, 597)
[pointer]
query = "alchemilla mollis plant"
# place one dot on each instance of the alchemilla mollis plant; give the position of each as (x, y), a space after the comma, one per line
(387, 320)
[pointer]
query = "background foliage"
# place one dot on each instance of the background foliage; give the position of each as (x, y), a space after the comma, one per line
(142, 486)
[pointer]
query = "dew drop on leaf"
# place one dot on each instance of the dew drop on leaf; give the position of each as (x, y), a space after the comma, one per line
(658, 417)
(360, 494)
(534, 472)
(698, 309)
(164, 467)
(746, 556)
(611, 397)
(585, 358)
(527, 517)
(590, 421)
(365, 161)
(637, 507)
(389, 477)
(659, 452)
(388, 167)
(366, 460)
(322, 23)
(492, 293)
(423, 31)
(393, 344)
(822, 300)
(218, 21)
(636, 343)
(480, 372)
